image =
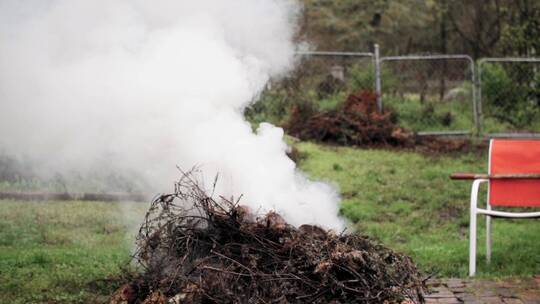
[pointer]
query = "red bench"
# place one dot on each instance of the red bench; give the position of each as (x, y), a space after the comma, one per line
(513, 181)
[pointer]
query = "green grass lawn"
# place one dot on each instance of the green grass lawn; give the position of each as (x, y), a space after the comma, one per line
(407, 201)
(72, 252)
(64, 252)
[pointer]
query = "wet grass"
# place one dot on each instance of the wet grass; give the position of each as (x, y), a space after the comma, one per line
(64, 252)
(72, 252)
(406, 200)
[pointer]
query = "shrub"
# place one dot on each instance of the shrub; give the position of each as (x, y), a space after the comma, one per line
(510, 96)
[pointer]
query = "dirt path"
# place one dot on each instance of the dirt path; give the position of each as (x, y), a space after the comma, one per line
(509, 291)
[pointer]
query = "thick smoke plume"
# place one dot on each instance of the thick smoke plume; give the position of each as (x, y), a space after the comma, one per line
(148, 85)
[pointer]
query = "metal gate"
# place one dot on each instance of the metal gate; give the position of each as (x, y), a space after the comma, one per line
(432, 94)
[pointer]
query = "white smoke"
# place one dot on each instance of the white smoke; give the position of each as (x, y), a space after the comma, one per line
(149, 85)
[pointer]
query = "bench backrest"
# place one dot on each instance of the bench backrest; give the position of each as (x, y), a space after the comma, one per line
(514, 157)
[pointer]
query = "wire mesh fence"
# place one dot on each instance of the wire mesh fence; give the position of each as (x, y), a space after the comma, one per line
(325, 78)
(322, 80)
(430, 94)
(509, 96)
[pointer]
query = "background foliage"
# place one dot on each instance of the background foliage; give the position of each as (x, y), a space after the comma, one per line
(481, 28)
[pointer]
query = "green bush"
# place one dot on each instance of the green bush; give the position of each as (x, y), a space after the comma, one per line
(362, 77)
(431, 115)
(331, 102)
(510, 97)
(272, 107)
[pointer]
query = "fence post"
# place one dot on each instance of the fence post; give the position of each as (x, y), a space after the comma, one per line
(479, 113)
(475, 97)
(377, 63)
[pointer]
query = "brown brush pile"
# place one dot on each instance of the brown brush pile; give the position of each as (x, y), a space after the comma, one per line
(194, 249)
(355, 122)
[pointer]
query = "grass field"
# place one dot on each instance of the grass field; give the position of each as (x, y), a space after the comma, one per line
(64, 252)
(407, 201)
(72, 252)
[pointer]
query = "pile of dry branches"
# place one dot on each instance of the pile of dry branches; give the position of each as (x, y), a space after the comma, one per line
(196, 249)
(356, 122)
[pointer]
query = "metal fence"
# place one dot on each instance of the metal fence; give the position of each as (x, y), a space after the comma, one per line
(329, 73)
(431, 94)
(321, 79)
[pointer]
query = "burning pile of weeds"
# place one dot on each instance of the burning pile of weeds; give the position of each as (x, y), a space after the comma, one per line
(195, 249)
(356, 122)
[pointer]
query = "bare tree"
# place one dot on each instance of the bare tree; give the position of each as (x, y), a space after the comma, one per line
(478, 23)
